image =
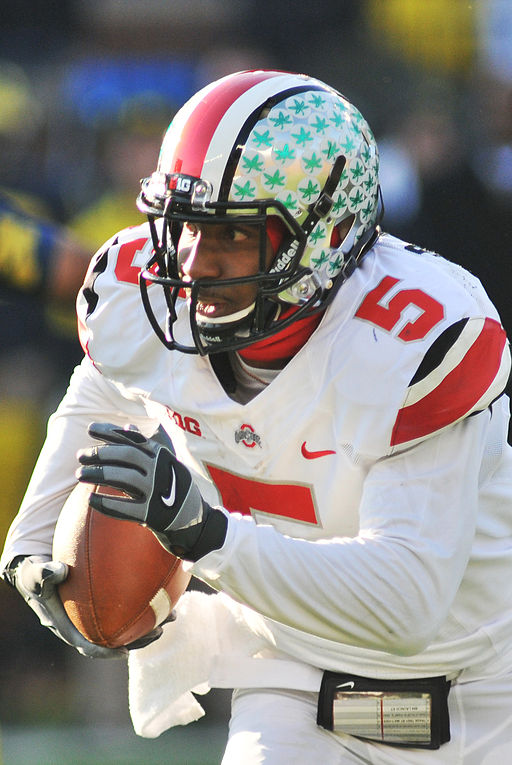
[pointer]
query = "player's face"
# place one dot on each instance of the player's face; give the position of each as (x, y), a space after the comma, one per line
(221, 251)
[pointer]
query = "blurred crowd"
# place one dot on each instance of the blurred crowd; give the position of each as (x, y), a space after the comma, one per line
(87, 89)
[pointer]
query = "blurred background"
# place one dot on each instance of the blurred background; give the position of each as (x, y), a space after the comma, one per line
(87, 88)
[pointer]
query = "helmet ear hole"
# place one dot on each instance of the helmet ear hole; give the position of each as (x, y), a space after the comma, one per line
(340, 231)
(335, 238)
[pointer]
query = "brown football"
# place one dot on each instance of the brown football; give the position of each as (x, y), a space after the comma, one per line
(122, 582)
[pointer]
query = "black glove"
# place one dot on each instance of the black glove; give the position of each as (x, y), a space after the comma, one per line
(36, 577)
(163, 495)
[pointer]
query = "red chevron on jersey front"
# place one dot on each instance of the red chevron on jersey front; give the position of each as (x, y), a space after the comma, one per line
(471, 374)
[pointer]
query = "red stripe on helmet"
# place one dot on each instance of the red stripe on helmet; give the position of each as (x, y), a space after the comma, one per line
(192, 145)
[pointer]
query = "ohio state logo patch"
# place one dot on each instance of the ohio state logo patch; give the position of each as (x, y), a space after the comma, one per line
(247, 436)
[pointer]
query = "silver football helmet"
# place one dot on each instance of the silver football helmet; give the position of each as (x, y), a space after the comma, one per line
(252, 145)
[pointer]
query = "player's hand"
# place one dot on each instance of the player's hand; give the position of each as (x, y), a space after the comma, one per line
(162, 493)
(36, 577)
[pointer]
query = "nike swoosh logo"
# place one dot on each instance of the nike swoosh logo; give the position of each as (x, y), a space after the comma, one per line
(169, 501)
(349, 685)
(314, 455)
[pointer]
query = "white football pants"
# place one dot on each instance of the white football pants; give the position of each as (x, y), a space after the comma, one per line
(277, 727)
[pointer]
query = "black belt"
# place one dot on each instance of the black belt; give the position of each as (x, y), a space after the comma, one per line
(407, 713)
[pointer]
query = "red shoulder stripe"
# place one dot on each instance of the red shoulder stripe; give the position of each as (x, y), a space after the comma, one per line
(460, 390)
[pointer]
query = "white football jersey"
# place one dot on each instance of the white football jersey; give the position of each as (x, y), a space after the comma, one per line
(369, 485)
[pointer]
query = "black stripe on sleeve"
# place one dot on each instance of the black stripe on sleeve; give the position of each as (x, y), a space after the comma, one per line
(438, 350)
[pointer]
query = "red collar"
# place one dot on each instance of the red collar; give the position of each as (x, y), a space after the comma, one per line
(284, 344)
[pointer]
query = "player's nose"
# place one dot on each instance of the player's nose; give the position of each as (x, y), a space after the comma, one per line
(204, 259)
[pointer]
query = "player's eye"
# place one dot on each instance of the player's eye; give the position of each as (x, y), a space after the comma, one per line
(237, 233)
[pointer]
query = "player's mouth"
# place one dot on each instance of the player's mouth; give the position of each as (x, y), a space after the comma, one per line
(211, 309)
(211, 305)
(220, 309)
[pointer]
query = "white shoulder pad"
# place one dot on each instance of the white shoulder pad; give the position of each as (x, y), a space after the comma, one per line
(423, 347)
(113, 328)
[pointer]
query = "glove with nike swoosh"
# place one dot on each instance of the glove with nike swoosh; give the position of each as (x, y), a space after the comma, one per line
(163, 495)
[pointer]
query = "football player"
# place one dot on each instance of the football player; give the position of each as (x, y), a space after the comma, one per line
(331, 455)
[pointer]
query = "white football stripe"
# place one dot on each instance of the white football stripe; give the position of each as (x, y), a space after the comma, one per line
(161, 605)
(498, 384)
(454, 356)
(233, 120)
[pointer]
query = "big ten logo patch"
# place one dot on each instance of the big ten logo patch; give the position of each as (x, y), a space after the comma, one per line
(189, 424)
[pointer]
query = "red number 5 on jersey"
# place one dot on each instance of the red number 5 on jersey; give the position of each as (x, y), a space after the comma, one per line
(127, 266)
(245, 496)
(388, 313)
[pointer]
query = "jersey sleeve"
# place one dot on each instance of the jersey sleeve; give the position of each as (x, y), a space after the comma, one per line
(90, 397)
(464, 370)
(113, 328)
(427, 350)
(390, 587)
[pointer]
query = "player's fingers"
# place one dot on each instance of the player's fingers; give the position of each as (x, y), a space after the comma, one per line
(54, 572)
(114, 454)
(118, 507)
(38, 577)
(93, 651)
(124, 478)
(106, 431)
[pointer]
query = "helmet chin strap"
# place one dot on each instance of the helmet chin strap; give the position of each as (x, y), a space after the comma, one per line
(212, 330)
